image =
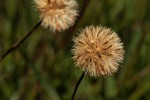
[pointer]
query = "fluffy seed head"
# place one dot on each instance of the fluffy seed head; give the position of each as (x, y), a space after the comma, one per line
(58, 15)
(97, 51)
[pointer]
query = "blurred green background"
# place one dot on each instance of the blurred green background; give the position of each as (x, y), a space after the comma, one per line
(42, 68)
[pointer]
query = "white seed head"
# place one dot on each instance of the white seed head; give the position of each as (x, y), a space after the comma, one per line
(97, 51)
(58, 15)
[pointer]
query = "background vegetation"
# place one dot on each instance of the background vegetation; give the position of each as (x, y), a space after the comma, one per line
(42, 68)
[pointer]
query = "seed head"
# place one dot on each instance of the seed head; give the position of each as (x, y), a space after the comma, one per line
(58, 15)
(97, 51)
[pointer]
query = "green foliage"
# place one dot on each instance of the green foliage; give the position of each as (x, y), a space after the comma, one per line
(42, 68)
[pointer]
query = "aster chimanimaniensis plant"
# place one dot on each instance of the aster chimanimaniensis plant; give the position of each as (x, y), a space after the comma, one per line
(98, 51)
(57, 15)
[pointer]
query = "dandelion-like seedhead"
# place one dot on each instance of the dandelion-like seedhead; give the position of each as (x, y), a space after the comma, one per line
(97, 51)
(58, 15)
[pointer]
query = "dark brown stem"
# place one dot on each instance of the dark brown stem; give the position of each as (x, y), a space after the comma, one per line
(77, 85)
(16, 45)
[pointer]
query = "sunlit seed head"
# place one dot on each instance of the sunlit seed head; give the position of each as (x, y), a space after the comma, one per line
(98, 51)
(57, 15)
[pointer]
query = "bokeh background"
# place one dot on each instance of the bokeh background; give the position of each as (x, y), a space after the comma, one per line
(42, 68)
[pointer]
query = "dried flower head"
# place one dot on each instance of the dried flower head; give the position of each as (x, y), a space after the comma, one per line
(97, 51)
(58, 15)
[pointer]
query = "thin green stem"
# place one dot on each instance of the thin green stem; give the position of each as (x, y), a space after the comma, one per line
(77, 85)
(16, 45)
(103, 89)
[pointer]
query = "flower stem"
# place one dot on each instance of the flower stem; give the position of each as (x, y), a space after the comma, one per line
(77, 85)
(16, 45)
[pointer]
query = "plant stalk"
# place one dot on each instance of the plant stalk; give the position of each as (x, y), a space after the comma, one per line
(77, 85)
(16, 45)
